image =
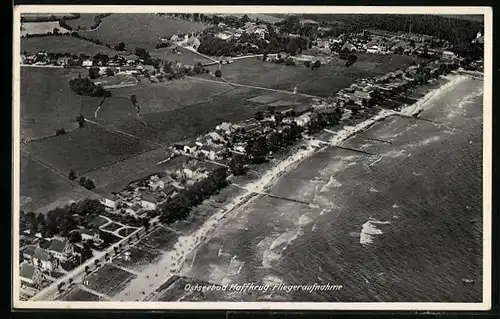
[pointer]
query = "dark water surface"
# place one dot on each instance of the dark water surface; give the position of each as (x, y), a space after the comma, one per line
(402, 226)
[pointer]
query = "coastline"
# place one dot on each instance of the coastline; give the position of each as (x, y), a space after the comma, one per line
(174, 261)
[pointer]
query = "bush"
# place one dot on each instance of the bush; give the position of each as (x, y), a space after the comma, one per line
(218, 73)
(60, 131)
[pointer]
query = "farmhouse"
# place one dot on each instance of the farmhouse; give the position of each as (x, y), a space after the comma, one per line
(61, 249)
(30, 275)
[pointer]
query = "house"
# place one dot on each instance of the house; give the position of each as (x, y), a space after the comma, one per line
(30, 274)
(148, 201)
(373, 47)
(215, 137)
(87, 63)
(61, 249)
(303, 120)
(91, 234)
(193, 42)
(28, 252)
(108, 203)
(42, 259)
(224, 35)
(148, 68)
(348, 47)
(62, 61)
(208, 152)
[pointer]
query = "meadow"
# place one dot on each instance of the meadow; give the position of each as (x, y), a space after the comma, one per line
(139, 29)
(47, 102)
(85, 149)
(85, 21)
(41, 27)
(185, 57)
(63, 44)
(109, 280)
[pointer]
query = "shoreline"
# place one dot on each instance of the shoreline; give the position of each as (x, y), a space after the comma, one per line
(174, 261)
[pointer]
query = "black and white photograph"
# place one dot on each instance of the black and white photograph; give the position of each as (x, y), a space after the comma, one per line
(229, 157)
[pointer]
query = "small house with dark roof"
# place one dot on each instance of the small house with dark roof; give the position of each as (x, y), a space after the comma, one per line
(28, 252)
(61, 249)
(30, 275)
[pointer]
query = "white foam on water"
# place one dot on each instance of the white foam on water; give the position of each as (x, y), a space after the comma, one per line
(369, 231)
(303, 220)
(331, 183)
(395, 206)
(374, 190)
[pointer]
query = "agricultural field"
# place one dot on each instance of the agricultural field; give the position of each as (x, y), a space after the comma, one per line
(112, 227)
(139, 258)
(85, 22)
(63, 44)
(190, 121)
(160, 239)
(139, 29)
(320, 82)
(41, 27)
(85, 149)
(184, 56)
(48, 103)
(77, 294)
(42, 189)
(109, 280)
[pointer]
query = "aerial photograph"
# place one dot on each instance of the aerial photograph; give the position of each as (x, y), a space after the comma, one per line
(181, 157)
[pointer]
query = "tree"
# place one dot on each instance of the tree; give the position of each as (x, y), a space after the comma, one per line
(307, 64)
(80, 120)
(60, 131)
(316, 65)
(120, 46)
(82, 181)
(72, 175)
(218, 73)
(93, 73)
(87, 270)
(259, 116)
(257, 150)
(141, 53)
(96, 262)
(89, 184)
(237, 165)
(40, 224)
(75, 237)
(271, 109)
(109, 72)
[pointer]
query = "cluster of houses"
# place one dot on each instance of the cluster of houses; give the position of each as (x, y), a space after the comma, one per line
(228, 33)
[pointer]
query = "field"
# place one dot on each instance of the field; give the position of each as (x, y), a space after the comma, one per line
(77, 294)
(139, 29)
(47, 102)
(161, 239)
(85, 21)
(108, 239)
(40, 27)
(126, 231)
(139, 259)
(186, 56)
(85, 149)
(109, 280)
(39, 187)
(98, 221)
(193, 120)
(261, 16)
(112, 227)
(321, 82)
(63, 44)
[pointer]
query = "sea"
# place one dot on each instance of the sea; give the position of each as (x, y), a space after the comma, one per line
(400, 224)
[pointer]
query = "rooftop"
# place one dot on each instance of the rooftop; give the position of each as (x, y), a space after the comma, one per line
(58, 245)
(26, 270)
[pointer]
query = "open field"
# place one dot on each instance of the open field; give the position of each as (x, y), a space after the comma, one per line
(42, 190)
(85, 21)
(186, 57)
(85, 149)
(126, 231)
(41, 27)
(98, 221)
(261, 16)
(109, 280)
(112, 227)
(63, 44)
(139, 258)
(47, 103)
(322, 82)
(77, 294)
(108, 239)
(139, 29)
(189, 121)
(160, 239)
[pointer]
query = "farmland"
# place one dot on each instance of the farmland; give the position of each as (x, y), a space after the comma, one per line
(48, 103)
(261, 16)
(77, 294)
(85, 149)
(40, 28)
(185, 56)
(109, 280)
(63, 44)
(139, 258)
(322, 82)
(40, 186)
(139, 29)
(85, 21)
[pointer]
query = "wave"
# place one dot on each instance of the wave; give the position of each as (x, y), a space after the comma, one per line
(369, 231)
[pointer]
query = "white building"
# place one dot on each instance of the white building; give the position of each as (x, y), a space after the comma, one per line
(303, 120)
(108, 203)
(87, 63)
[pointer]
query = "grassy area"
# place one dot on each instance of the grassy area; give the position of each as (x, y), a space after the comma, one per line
(190, 121)
(126, 231)
(161, 239)
(139, 29)
(41, 27)
(108, 239)
(47, 102)
(85, 21)
(139, 259)
(109, 280)
(41, 189)
(112, 227)
(261, 16)
(98, 221)
(85, 149)
(77, 294)
(59, 44)
(185, 56)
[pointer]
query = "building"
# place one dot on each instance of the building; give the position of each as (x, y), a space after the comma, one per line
(148, 201)
(42, 259)
(193, 42)
(348, 47)
(448, 56)
(303, 120)
(109, 203)
(87, 63)
(30, 274)
(91, 234)
(61, 249)
(28, 252)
